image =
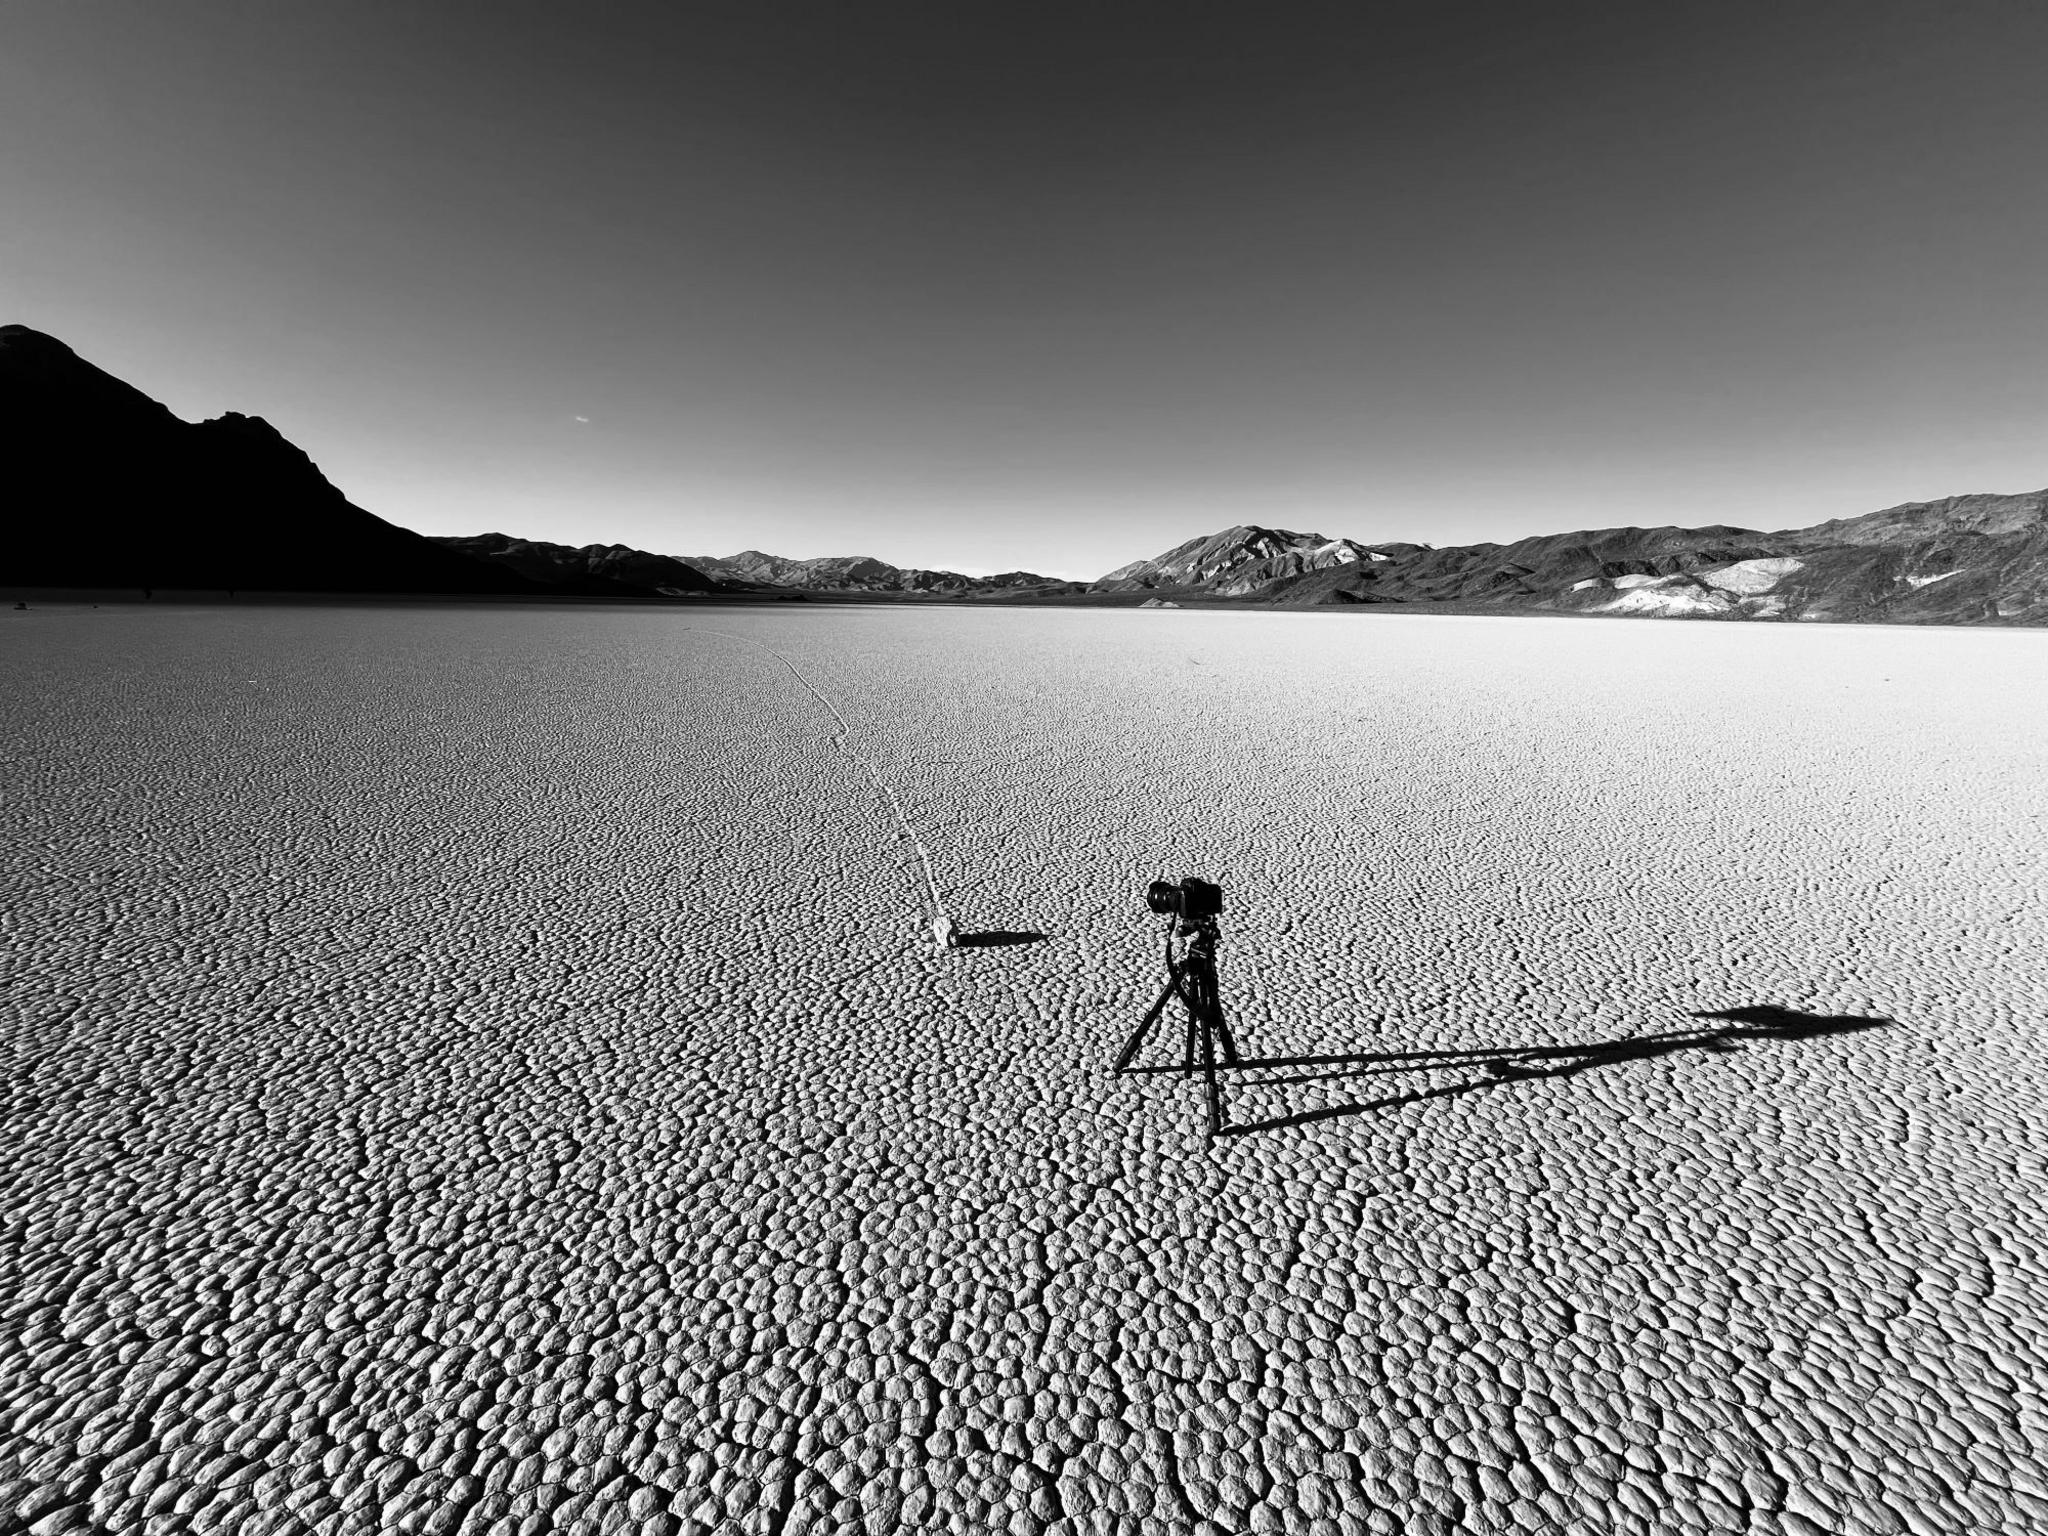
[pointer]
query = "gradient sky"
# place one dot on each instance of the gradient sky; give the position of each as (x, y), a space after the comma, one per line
(1055, 286)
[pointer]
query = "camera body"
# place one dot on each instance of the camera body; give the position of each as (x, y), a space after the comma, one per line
(1191, 900)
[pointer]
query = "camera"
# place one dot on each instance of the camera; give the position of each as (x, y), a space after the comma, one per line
(1191, 900)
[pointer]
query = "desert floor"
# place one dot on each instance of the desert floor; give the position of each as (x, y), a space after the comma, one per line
(487, 1071)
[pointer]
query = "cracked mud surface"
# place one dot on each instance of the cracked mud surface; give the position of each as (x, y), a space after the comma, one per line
(486, 1072)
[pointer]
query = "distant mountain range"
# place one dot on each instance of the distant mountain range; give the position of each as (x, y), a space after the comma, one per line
(563, 567)
(111, 491)
(1963, 560)
(859, 573)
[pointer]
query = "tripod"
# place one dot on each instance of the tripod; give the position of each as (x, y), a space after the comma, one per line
(1191, 977)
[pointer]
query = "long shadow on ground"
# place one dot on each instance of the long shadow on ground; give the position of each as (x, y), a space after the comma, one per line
(998, 939)
(1521, 1064)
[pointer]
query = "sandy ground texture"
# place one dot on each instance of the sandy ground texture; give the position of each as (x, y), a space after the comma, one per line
(487, 1071)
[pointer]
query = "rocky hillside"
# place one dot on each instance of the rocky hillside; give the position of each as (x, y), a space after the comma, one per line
(109, 490)
(565, 565)
(860, 573)
(1537, 568)
(1962, 560)
(1953, 517)
(1240, 561)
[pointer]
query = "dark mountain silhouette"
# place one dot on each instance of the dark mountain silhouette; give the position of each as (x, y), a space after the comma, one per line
(109, 489)
(564, 565)
(860, 573)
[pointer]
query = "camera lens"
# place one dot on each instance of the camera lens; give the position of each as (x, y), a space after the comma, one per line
(1162, 896)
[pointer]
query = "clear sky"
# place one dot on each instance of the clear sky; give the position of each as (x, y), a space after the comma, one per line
(1055, 286)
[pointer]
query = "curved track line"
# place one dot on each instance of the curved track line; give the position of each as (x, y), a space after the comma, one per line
(844, 743)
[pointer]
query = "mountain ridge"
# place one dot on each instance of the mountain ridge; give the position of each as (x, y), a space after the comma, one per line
(122, 493)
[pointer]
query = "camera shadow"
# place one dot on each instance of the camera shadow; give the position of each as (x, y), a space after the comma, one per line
(998, 938)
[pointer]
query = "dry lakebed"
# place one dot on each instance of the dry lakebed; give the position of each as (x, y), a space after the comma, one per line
(488, 1071)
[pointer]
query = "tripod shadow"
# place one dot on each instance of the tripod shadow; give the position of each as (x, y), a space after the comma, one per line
(997, 939)
(1527, 1063)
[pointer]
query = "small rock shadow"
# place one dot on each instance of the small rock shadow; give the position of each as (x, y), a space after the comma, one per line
(1762, 1021)
(997, 938)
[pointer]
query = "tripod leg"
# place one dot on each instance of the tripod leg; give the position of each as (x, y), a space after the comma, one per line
(1212, 1020)
(1214, 989)
(1137, 1040)
(1193, 1003)
(1223, 1031)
